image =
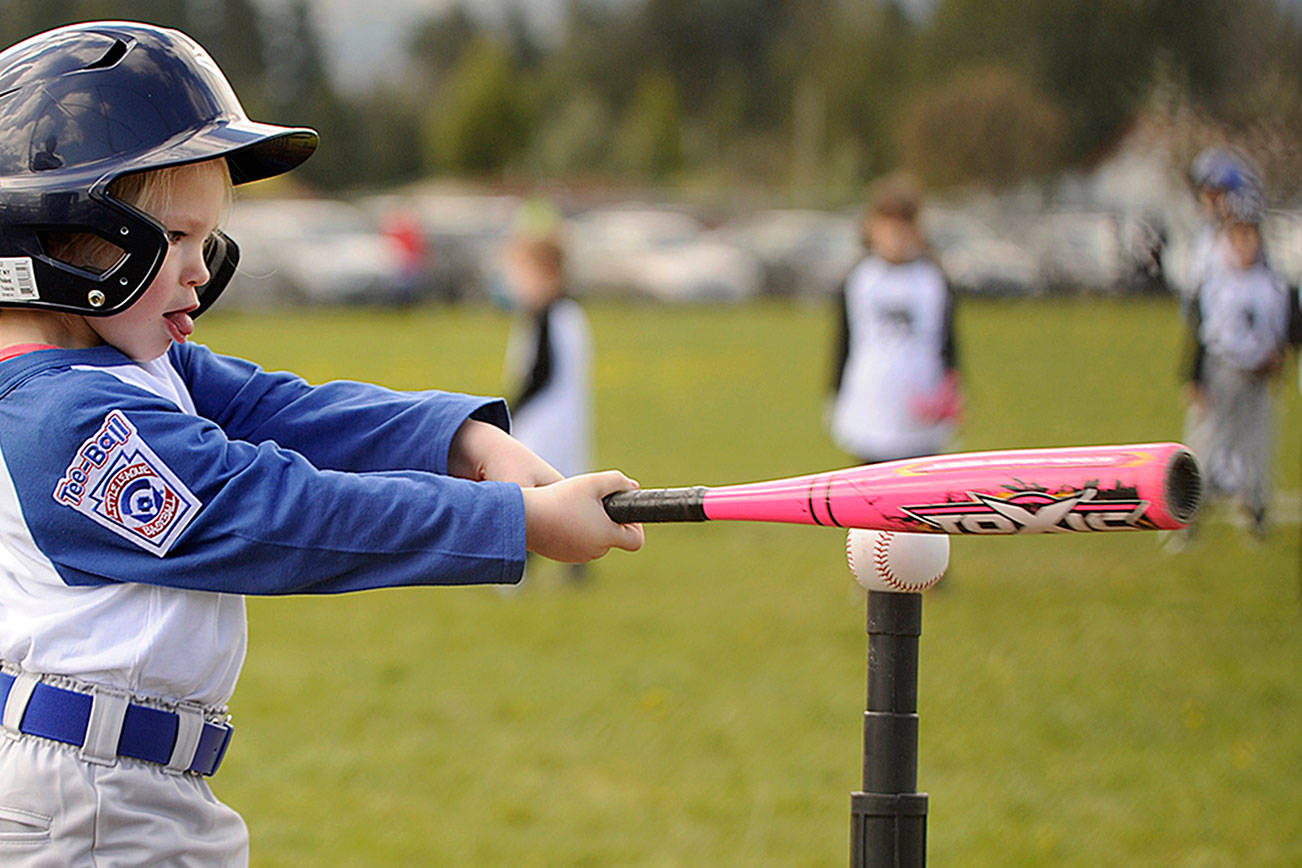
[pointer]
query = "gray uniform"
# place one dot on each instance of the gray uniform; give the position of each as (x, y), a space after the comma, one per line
(1241, 325)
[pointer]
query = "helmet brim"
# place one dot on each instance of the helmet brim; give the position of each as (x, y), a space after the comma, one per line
(254, 150)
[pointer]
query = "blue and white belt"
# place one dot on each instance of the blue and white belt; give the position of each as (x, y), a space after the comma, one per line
(106, 724)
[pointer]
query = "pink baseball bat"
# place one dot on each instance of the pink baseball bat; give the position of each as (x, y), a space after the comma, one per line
(1145, 486)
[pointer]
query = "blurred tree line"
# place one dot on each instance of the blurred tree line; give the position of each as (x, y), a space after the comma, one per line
(812, 96)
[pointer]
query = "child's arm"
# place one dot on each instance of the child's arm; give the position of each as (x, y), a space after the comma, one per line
(481, 451)
(1195, 354)
(340, 425)
(116, 485)
(564, 518)
(945, 402)
(542, 370)
(841, 349)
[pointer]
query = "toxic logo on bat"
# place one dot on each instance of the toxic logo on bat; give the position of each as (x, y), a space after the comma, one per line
(1033, 512)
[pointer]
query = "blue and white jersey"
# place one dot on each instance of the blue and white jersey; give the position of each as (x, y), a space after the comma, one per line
(139, 503)
(1243, 315)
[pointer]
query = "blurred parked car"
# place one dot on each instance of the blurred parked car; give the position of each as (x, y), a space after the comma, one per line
(659, 253)
(464, 232)
(1079, 250)
(806, 253)
(320, 251)
(975, 259)
(991, 266)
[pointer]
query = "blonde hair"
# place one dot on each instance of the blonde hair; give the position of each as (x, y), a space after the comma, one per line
(896, 196)
(150, 191)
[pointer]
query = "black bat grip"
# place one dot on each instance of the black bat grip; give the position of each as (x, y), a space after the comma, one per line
(656, 504)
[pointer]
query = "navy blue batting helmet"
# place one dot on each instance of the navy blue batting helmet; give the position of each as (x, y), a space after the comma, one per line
(83, 105)
(1223, 169)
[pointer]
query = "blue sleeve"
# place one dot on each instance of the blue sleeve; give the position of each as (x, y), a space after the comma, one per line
(117, 485)
(341, 425)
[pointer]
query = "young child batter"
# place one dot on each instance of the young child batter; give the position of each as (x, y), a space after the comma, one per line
(147, 484)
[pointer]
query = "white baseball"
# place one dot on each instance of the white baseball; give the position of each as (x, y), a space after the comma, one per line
(900, 562)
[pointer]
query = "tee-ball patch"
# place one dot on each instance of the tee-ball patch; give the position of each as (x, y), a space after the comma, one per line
(118, 481)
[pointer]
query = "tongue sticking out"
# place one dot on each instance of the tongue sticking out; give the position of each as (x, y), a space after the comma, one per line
(180, 324)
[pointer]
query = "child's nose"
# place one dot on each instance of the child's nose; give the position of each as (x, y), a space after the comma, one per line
(196, 270)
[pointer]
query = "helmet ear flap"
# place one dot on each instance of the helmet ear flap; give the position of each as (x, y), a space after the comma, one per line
(220, 254)
(56, 284)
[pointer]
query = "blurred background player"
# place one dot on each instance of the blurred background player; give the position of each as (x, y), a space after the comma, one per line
(896, 391)
(1215, 172)
(549, 351)
(1240, 328)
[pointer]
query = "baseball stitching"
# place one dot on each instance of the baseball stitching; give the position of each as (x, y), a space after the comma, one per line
(880, 548)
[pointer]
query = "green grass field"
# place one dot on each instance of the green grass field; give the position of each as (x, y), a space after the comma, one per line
(1084, 700)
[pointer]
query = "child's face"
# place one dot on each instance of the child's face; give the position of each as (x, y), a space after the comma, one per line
(161, 315)
(1245, 243)
(893, 238)
(532, 282)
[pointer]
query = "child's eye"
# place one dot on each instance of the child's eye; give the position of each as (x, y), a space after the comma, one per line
(175, 237)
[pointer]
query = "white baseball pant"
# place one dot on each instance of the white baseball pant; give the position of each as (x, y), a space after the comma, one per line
(58, 810)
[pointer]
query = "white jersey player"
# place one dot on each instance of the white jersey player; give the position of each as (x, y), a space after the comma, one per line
(895, 376)
(549, 359)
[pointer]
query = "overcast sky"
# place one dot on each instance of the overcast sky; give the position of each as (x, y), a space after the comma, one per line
(365, 37)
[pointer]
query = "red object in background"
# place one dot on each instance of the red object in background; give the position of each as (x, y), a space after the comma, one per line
(405, 231)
